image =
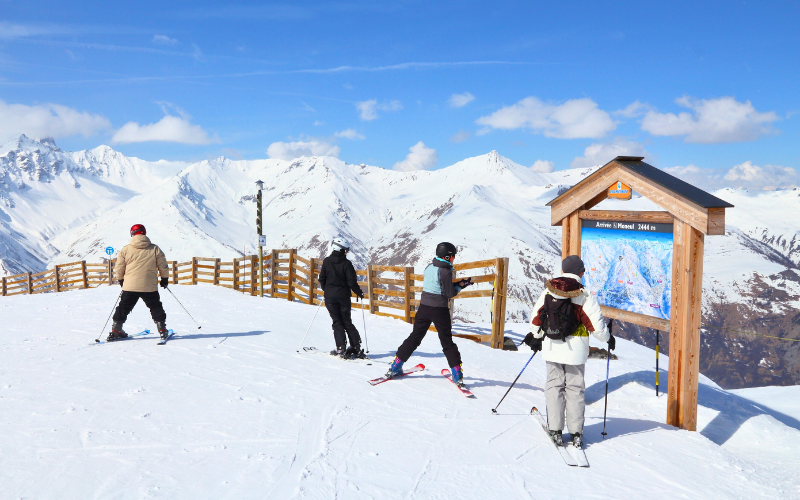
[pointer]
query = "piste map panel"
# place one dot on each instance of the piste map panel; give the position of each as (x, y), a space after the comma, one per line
(629, 265)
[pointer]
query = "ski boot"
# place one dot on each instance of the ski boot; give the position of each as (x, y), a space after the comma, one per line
(458, 375)
(556, 437)
(339, 351)
(117, 332)
(396, 368)
(577, 440)
(354, 352)
(162, 329)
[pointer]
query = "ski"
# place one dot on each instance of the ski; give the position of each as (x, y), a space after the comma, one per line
(314, 350)
(98, 342)
(579, 455)
(461, 387)
(164, 341)
(383, 379)
(561, 450)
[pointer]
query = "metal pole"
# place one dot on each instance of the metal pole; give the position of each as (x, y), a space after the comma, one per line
(658, 338)
(309, 325)
(260, 249)
(494, 410)
(608, 363)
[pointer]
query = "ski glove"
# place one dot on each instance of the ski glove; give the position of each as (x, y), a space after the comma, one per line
(612, 342)
(465, 283)
(535, 344)
(120, 282)
(164, 282)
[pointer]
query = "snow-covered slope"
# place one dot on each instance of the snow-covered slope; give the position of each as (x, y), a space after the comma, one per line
(232, 411)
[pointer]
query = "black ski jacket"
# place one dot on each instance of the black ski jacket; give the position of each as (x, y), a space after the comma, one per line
(338, 277)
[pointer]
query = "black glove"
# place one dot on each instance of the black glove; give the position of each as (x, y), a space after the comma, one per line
(535, 344)
(120, 282)
(361, 296)
(465, 283)
(612, 342)
(164, 282)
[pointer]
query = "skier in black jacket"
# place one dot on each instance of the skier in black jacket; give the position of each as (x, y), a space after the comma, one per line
(338, 279)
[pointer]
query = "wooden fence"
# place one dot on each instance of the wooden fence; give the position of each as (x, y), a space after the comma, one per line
(389, 290)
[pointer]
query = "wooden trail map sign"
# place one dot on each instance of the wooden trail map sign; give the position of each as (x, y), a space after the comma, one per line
(646, 267)
(629, 265)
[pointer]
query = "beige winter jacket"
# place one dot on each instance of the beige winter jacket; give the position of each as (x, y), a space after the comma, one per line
(139, 263)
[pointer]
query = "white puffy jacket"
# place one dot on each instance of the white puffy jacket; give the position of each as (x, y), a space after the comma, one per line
(575, 349)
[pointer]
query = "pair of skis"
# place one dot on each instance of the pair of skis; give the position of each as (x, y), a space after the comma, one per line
(574, 457)
(461, 387)
(143, 332)
(314, 350)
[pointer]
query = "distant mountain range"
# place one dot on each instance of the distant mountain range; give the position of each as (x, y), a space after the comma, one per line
(58, 206)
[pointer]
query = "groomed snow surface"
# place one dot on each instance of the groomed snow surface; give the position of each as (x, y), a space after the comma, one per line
(231, 411)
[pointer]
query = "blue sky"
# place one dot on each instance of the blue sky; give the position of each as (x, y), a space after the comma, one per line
(703, 85)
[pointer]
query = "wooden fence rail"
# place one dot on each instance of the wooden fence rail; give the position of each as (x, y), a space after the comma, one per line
(389, 291)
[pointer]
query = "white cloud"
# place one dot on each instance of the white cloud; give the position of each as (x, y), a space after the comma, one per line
(48, 120)
(742, 175)
(461, 100)
(543, 166)
(460, 136)
(602, 153)
(711, 121)
(747, 174)
(574, 119)
(368, 110)
(197, 54)
(634, 110)
(164, 40)
(296, 149)
(318, 123)
(349, 133)
(168, 129)
(421, 157)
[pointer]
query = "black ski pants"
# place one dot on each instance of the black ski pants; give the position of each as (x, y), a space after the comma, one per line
(440, 317)
(340, 309)
(129, 299)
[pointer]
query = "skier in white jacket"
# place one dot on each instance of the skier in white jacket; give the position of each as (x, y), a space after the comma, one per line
(561, 331)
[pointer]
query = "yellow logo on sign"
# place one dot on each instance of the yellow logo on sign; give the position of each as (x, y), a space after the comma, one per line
(620, 191)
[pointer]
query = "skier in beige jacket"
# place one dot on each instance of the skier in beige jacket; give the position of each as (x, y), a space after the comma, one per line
(139, 265)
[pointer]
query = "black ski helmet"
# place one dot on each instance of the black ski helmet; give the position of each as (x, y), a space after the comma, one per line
(445, 249)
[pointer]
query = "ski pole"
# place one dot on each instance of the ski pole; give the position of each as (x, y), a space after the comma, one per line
(309, 325)
(608, 363)
(494, 410)
(366, 340)
(658, 337)
(187, 312)
(109, 317)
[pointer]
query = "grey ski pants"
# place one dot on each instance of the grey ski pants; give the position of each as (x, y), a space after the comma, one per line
(564, 391)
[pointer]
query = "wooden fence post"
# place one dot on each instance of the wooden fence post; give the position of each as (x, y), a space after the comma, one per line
(30, 283)
(408, 295)
(498, 321)
(110, 273)
(273, 273)
(312, 281)
(236, 274)
(504, 296)
(58, 281)
(4, 286)
(85, 277)
(194, 270)
(216, 272)
(290, 290)
(370, 285)
(174, 272)
(253, 278)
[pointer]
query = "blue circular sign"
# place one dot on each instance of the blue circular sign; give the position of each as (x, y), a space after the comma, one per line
(109, 250)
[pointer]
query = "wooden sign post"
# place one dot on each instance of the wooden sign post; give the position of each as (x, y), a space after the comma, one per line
(690, 214)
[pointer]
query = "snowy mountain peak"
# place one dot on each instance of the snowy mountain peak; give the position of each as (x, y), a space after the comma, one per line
(25, 143)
